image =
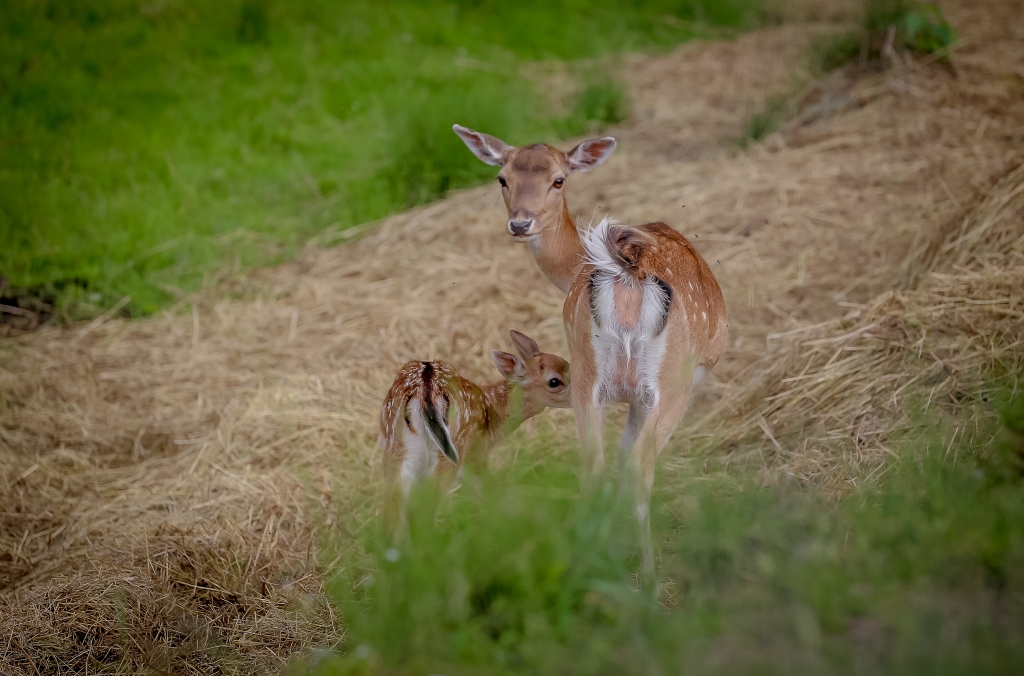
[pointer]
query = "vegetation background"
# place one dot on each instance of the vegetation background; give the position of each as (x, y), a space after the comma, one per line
(144, 145)
(192, 492)
(919, 575)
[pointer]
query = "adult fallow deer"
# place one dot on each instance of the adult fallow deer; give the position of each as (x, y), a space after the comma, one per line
(644, 316)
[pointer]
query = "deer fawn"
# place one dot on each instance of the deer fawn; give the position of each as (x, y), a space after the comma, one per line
(644, 316)
(433, 420)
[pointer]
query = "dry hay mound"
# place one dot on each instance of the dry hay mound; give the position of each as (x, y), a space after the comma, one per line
(193, 604)
(116, 620)
(824, 401)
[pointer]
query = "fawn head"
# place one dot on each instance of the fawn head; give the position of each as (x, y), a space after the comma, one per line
(532, 176)
(538, 378)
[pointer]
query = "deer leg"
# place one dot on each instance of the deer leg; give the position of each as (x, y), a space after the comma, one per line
(395, 497)
(657, 428)
(589, 411)
(589, 423)
(634, 423)
(393, 512)
(446, 476)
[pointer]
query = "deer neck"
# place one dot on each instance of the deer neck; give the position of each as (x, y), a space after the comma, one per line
(557, 248)
(504, 407)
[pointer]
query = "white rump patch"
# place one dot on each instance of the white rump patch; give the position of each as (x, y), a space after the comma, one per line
(642, 345)
(421, 451)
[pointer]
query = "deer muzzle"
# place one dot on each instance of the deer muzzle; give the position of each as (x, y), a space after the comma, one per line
(521, 223)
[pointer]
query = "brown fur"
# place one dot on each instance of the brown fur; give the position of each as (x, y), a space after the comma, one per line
(483, 415)
(697, 331)
(627, 245)
(695, 326)
(628, 303)
(529, 175)
(667, 255)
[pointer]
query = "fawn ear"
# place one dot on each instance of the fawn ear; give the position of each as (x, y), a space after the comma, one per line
(487, 148)
(526, 347)
(509, 365)
(590, 154)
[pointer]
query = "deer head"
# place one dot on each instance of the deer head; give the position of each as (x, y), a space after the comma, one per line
(532, 177)
(537, 379)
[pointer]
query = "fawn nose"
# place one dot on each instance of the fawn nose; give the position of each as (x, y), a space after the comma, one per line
(520, 228)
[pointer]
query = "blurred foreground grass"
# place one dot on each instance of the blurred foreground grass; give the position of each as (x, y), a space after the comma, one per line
(145, 144)
(919, 573)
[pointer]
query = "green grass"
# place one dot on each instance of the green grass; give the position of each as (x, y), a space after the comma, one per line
(603, 101)
(919, 27)
(922, 574)
(768, 119)
(830, 52)
(145, 145)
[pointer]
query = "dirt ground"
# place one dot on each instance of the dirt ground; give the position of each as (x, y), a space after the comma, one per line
(172, 476)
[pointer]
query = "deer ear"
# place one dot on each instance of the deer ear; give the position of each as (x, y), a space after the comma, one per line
(590, 154)
(509, 365)
(487, 148)
(526, 347)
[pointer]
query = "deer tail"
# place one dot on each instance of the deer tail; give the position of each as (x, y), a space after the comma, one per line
(616, 249)
(616, 252)
(435, 409)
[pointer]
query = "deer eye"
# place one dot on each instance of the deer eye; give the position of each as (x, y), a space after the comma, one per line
(559, 182)
(554, 383)
(502, 182)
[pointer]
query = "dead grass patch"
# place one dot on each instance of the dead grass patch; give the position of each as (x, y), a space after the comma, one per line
(824, 401)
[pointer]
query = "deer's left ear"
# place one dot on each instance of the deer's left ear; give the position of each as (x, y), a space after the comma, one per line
(590, 154)
(526, 347)
(509, 365)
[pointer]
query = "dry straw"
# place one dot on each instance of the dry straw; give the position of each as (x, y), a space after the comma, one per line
(165, 484)
(825, 400)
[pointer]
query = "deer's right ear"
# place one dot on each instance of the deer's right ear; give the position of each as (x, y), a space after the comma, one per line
(509, 365)
(487, 148)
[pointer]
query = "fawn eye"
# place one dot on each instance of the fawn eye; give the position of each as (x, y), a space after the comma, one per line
(502, 182)
(559, 182)
(554, 383)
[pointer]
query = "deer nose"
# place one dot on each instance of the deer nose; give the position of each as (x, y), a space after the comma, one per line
(520, 228)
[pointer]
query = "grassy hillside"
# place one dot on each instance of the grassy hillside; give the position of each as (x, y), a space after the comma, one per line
(144, 145)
